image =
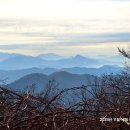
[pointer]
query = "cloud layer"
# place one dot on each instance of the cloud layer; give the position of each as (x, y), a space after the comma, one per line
(64, 25)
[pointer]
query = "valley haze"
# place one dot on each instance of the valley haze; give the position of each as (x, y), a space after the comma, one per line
(19, 71)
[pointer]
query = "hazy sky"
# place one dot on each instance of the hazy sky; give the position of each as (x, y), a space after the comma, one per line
(67, 27)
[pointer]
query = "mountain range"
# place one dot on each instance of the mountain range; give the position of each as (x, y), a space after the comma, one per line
(18, 61)
(18, 71)
(63, 79)
(12, 75)
(51, 56)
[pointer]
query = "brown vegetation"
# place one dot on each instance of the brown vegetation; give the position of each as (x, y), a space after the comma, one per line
(77, 108)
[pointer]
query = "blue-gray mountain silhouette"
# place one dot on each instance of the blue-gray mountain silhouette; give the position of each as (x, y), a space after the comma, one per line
(17, 61)
(12, 75)
(64, 79)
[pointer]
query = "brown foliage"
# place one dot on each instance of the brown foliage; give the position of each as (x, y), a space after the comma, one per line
(77, 108)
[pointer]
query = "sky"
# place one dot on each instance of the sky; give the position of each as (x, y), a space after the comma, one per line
(66, 27)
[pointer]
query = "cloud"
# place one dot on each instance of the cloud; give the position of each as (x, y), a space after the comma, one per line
(72, 31)
(88, 49)
(63, 25)
(91, 37)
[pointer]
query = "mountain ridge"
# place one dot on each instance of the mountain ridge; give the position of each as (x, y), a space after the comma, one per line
(64, 79)
(18, 61)
(11, 75)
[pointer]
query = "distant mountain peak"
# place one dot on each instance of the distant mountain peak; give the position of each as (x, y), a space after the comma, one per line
(79, 57)
(50, 56)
